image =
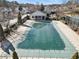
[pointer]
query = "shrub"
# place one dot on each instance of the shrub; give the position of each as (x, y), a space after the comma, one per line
(15, 56)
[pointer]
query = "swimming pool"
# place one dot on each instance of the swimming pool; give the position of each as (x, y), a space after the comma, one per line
(42, 36)
(45, 40)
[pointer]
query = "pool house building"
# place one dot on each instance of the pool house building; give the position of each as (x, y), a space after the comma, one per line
(38, 15)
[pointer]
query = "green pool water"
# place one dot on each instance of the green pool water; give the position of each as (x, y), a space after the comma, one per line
(42, 36)
(45, 40)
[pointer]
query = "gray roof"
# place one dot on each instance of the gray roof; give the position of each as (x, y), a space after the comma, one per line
(6, 10)
(38, 13)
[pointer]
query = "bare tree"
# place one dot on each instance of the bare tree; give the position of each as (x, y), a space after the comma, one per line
(42, 7)
(19, 15)
(15, 56)
(2, 37)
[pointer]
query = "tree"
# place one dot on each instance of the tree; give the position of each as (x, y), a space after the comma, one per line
(42, 7)
(15, 2)
(7, 31)
(19, 15)
(15, 56)
(47, 16)
(2, 37)
(5, 3)
(19, 19)
(75, 56)
(27, 17)
(20, 8)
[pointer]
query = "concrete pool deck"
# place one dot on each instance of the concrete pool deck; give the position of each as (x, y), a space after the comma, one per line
(69, 33)
(72, 36)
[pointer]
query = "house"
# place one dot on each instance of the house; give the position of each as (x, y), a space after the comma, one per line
(6, 10)
(38, 15)
(48, 9)
(24, 10)
(7, 13)
(16, 10)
